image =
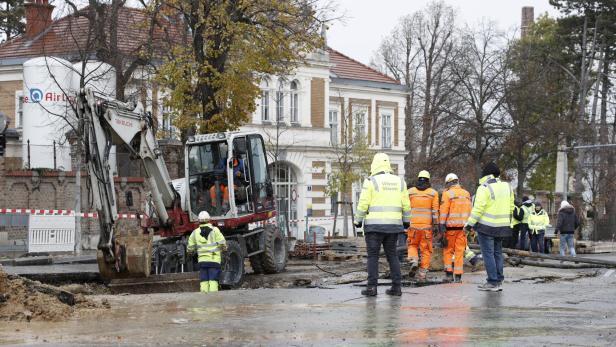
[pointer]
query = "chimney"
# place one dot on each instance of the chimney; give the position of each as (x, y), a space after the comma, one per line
(38, 17)
(528, 18)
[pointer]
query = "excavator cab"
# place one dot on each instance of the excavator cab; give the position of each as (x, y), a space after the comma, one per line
(227, 176)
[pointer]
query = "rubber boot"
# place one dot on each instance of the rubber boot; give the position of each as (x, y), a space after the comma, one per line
(458, 278)
(213, 286)
(448, 277)
(369, 291)
(414, 266)
(205, 286)
(394, 291)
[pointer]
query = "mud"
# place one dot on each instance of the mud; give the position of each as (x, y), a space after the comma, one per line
(22, 300)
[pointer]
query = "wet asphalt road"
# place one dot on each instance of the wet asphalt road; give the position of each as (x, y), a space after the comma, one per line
(534, 309)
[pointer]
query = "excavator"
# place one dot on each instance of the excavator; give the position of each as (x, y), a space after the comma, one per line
(226, 174)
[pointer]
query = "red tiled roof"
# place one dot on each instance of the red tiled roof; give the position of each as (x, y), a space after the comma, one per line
(68, 36)
(345, 67)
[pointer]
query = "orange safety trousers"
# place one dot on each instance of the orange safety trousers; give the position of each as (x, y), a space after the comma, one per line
(420, 240)
(453, 254)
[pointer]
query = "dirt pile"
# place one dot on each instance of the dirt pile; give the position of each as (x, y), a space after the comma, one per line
(22, 299)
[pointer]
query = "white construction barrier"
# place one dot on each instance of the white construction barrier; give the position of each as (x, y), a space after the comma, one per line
(49, 233)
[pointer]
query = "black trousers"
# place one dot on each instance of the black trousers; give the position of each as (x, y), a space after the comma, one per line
(373, 244)
(512, 242)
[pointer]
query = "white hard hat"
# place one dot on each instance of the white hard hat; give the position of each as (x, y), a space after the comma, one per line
(204, 216)
(451, 177)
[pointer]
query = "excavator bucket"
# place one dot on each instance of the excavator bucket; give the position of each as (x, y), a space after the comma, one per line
(133, 257)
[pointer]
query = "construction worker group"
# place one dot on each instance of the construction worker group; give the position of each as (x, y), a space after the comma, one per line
(386, 209)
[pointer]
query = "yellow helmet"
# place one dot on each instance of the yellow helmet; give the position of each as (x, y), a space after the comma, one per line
(423, 174)
(451, 177)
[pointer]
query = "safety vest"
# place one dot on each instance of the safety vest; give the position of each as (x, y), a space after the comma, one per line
(424, 208)
(455, 207)
(493, 205)
(514, 221)
(224, 195)
(528, 210)
(208, 250)
(538, 221)
(383, 201)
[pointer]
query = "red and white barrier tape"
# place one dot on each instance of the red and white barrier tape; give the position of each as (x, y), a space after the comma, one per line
(61, 213)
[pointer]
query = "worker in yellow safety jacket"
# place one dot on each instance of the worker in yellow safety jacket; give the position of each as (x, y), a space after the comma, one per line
(209, 243)
(537, 223)
(424, 218)
(491, 218)
(384, 211)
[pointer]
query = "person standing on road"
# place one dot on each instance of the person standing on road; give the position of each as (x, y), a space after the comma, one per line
(566, 224)
(516, 223)
(208, 242)
(538, 222)
(528, 208)
(384, 211)
(424, 217)
(491, 219)
(454, 211)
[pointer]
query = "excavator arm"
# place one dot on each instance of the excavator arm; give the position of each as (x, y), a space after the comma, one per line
(107, 122)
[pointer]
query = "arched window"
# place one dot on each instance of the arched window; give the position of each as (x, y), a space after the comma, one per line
(265, 100)
(294, 99)
(280, 101)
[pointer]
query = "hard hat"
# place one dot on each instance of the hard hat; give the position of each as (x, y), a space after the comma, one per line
(451, 177)
(204, 216)
(423, 174)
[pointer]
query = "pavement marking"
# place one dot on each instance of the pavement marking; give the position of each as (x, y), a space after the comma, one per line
(608, 273)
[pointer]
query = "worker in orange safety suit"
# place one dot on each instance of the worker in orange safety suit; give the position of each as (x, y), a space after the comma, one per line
(424, 217)
(455, 209)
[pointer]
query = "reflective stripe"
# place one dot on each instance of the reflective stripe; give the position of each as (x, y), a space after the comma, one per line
(360, 213)
(458, 215)
(495, 225)
(451, 194)
(406, 219)
(402, 184)
(406, 214)
(420, 209)
(474, 216)
(370, 221)
(491, 192)
(424, 228)
(374, 183)
(211, 244)
(384, 209)
(496, 216)
(420, 215)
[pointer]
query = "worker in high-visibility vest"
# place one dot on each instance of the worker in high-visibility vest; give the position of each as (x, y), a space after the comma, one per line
(491, 218)
(209, 243)
(384, 211)
(538, 222)
(424, 217)
(455, 210)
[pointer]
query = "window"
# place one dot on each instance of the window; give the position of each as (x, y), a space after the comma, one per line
(280, 101)
(19, 109)
(265, 102)
(294, 100)
(333, 125)
(360, 123)
(386, 130)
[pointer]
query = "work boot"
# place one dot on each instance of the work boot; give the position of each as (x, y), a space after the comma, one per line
(369, 291)
(394, 291)
(448, 277)
(458, 278)
(414, 267)
(421, 275)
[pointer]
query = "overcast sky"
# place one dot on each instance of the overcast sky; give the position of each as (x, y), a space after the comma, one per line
(368, 21)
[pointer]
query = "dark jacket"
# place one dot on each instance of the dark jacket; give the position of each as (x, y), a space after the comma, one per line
(567, 221)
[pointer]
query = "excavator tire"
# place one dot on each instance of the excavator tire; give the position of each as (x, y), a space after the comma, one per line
(274, 259)
(232, 265)
(256, 263)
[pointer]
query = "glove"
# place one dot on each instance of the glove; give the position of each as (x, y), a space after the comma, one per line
(359, 224)
(468, 228)
(406, 225)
